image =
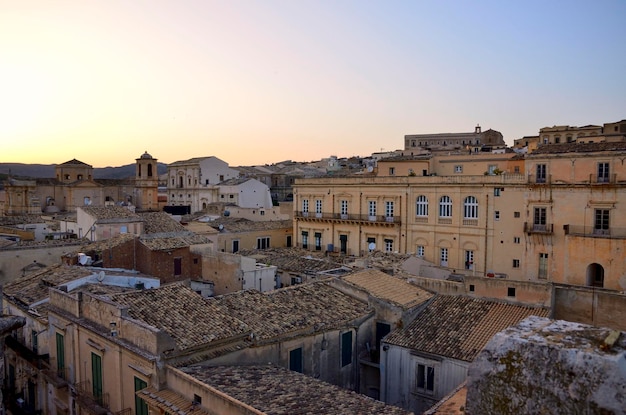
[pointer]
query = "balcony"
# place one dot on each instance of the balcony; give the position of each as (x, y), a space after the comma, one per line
(603, 179)
(590, 232)
(541, 179)
(355, 218)
(546, 228)
(96, 405)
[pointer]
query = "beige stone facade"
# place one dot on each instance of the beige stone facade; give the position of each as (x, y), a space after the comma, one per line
(558, 220)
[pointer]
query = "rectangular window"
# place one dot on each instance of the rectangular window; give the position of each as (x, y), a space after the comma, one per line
(496, 215)
(603, 172)
(516, 214)
(510, 292)
(305, 205)
(318, 206)
(425, 378)
(346, 348)
(235, 246)
(541, 173)
(516, 240)
(443, 255)
(96, 377)
(344, 207)
(543, 266)
(263, 242)
(496, 191)
(516, 263)
(392, 171)
(305, 239)
(141, 408)
(389, 209)
(516, 169)
(472, 288)
(469, 259)
(295, 360)
(420, 251)
(601, 222)
(60, 355)
(318, 241)
(539, 218)
(371, 208)
(178, 266)
(388, 245)
(33, 340)
(458, 168)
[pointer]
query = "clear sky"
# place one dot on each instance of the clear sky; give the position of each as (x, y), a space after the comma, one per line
(261, 81)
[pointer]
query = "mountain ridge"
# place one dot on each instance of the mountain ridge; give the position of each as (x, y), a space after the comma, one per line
(39, 171)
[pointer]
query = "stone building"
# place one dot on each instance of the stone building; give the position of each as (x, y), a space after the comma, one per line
(74, 186)
(455, 141)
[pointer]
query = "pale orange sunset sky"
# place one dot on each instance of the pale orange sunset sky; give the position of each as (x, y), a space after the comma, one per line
(256, 82)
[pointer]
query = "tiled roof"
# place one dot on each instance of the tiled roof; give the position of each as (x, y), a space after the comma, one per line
(20, 220)
(33, 288)
(110, 212)
(315, 306)
(234, 181)
(160, 222)
(103, 245)
(176, 309)
(389, 288)
(173, 242)
(170, 402)
(278, 391)
(292, 259)
(459, 327)
(73, 162)
(237, 225)
(579, 148)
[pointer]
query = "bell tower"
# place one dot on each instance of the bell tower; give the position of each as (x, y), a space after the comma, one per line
(146, 182)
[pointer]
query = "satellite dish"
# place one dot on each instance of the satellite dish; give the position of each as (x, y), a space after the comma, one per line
(220, 227)
(101, 276)
(370, 169)
(371, 246)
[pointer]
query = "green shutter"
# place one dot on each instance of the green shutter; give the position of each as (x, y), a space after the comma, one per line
(141, 408)
(96, 376)
(60, 355)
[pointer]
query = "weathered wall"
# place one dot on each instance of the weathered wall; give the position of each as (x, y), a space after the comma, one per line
(590, 306)
(13, 260)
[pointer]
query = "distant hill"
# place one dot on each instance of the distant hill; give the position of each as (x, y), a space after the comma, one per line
(36, 171)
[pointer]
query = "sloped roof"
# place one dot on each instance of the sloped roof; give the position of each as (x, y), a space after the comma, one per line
(110, 212)
(579, 148)
(307, 306)
(277, 391)
(160, 222)
(187, 317)
(75, 162)
(388, 288)
(292, 259)
(179, 240)
(459, 327)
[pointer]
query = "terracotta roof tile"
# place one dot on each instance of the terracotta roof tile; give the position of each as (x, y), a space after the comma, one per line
(458, 326)
(110, 212)
(389, 288)
(278, 391)
(160, 222)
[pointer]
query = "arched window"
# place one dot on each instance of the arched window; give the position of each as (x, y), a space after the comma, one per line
(470, 208)
(445, 207)
(421, 207)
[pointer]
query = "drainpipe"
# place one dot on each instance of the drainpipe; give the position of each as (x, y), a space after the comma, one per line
(486, 232)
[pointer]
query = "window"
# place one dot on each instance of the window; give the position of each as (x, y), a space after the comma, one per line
(458, 168)
(516, 263)
(425, 378)
(318, 206)
(305, 205)
(443, 256)
(472, 288)
(389, 209)
(543, 266)
(445, 207)
(141, 408)
(603, 172)
(421, 207)
(388, 245)
(344, 207)
(371, 208)
(295, 360)
(235, 246)
(470, 208)
(33, 340)
(305, 239)
(496, 215)
(539, 218)
(178, 266)
(516, 169)
(510, 291)
(496, 191)
(516, 214)
(420, 251)
(392, 171)
(60, 355)
(263, 242)
(601, 222)
(318, 241)
(516, 240)
(492, 169)
(346, 348)
(541, 173)
(469, 259)
(96, 377)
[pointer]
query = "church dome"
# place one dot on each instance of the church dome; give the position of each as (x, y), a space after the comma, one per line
(145, 155)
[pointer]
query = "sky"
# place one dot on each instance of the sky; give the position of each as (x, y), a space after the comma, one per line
(262, 81)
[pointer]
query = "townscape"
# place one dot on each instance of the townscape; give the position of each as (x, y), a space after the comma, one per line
(454, 275)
